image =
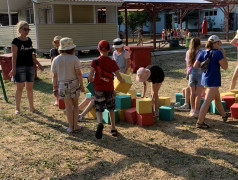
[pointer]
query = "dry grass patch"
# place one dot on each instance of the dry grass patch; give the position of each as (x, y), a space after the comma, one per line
(38, 147)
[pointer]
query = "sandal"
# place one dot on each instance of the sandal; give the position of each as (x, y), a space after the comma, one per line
(81, 118)
(98, 133)
(114, 132)
(202, 126)
(228, 114)
(79, 129)
(36, 111)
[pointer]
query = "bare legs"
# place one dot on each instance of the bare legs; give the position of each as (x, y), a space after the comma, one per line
(72, 112)
(89, 102)
(195, 98)
(29, 92)
(234, 79)
(155, 97)
(211, 93)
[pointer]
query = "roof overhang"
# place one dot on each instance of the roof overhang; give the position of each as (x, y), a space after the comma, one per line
(82, 2)
(169, 1)
(15, 5)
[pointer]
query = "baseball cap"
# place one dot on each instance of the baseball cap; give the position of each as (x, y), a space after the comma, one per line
(214, 38)
(104, 46)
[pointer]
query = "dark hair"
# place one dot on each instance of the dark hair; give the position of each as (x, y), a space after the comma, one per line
(194, 44)
(209, 45)
(70, 51)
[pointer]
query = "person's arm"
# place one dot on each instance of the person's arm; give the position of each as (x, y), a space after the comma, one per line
(119, 77)
(37, 62)
(233, 41)
(55, 85)
(197, 64)
(127, 65)
(14, 60)
(223, 62)
(79, 75)
(144, 89)
(51, 58)
(91, 73)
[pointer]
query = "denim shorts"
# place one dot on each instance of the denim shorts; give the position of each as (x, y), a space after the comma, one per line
(25, 74)
(103, 98)
(68, 89)
(195, 77)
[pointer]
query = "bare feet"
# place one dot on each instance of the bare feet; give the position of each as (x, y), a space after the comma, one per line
(17, 112)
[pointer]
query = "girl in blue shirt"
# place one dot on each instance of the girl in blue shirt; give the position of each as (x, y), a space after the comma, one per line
(211, 79)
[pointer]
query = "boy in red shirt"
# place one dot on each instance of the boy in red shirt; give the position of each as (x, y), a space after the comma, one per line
(104, 67)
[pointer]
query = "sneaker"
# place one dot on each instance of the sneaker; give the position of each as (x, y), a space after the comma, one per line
(98, 133)
(194, 114)
(177, 104)
(184, 107)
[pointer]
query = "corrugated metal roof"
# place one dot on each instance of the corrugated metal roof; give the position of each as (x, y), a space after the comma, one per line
(170, 1)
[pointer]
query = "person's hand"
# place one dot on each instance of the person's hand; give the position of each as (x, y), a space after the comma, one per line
(223, 52)
(123, 81)
(40, 67)
(56, 94)
(82, 89)
(187, 76)
(12, 73)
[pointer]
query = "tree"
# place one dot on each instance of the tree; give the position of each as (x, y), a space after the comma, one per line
(211, 22)
(136, 19)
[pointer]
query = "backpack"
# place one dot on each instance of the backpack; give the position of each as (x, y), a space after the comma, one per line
(103, 75)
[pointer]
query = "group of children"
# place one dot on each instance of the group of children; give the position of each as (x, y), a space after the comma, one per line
(67, 80)
(169, 34)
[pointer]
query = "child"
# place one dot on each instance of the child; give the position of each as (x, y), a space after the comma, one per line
(103, 67)
(155, 75)
(121, 56)
(53, 53)
(66, 79)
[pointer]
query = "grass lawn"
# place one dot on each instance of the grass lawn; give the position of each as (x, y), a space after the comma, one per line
(38, 147)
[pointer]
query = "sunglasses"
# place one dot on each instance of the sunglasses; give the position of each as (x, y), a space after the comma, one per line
(26, 29)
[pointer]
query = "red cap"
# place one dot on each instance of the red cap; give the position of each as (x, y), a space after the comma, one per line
(104, 46)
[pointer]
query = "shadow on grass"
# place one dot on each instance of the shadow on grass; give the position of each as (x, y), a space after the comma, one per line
(43, 86)
(169, 160)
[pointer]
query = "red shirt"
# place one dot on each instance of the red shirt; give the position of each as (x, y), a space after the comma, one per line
(107, 65)
(236, 44)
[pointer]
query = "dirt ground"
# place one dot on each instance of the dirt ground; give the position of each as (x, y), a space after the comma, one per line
(37, 146)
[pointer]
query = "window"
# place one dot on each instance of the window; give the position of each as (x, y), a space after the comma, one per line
(30, 16)
(215, 13)
(211, 13)
(206, 13)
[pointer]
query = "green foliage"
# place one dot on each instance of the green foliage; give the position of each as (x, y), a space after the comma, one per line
(136, 19)
(211, 22)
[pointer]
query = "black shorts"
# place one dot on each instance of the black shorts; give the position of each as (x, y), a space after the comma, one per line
(157, 74)
(103, 98)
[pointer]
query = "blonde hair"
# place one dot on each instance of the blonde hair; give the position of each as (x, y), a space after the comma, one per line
(20, 24)
(193, 47)
(209, 45)
(56, 38)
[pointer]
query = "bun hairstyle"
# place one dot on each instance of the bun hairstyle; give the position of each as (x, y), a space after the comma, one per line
(20, 24)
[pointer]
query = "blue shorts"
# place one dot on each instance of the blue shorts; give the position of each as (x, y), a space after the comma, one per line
(195, 77)
(25, 74)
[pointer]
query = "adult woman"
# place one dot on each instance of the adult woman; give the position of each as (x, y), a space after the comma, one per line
(22, 65)
(140, 35)
(211, 79)
(155, 75)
